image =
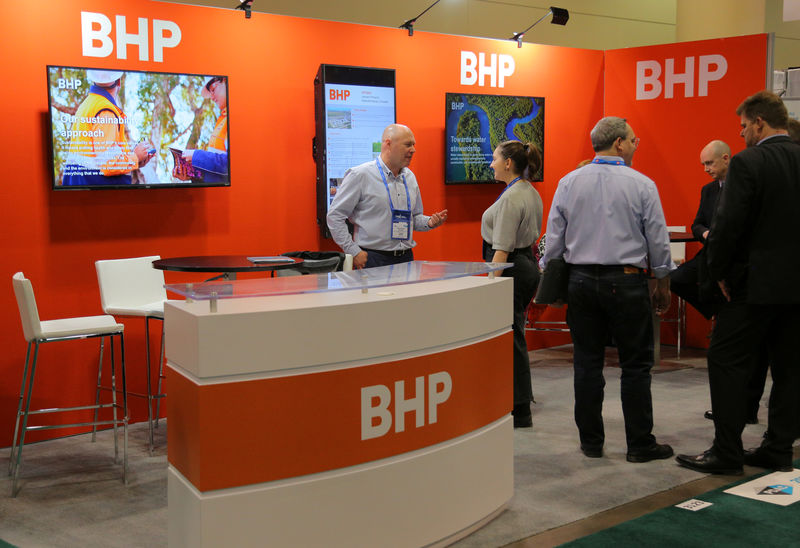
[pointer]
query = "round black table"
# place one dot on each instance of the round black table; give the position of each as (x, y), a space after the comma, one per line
(229, 265)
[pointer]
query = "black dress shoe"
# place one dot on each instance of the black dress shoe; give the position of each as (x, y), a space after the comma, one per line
(708, 463)
(656, 451)
(592, 452)
(709, 415)
(757, 457)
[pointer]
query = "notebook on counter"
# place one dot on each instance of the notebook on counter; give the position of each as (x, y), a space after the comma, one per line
(271, 259)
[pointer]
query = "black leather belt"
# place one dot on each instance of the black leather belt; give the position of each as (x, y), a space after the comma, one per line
(393, 253)
(599, 268)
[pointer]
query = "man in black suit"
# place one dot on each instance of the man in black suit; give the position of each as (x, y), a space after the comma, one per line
(715, 157)
(754, 255)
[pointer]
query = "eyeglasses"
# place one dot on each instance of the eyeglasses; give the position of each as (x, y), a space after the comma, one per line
(634, 140)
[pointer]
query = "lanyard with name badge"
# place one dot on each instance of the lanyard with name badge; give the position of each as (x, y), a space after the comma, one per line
(509, 185)
(400, 228)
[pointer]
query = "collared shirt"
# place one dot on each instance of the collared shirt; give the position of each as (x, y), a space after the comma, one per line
(513, 221)
(771, 136)
(362, 198)
(609, 215)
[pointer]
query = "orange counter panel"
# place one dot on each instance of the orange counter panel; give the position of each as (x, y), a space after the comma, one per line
(241, 433)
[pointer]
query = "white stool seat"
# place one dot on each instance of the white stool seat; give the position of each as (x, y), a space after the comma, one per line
(76, 327)
(154, 309)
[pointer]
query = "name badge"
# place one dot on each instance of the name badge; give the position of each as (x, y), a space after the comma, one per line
(401, 224)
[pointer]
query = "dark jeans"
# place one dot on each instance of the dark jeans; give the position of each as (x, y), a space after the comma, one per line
(379, 259)
(602, 302)
(526, 278)
(741, 332)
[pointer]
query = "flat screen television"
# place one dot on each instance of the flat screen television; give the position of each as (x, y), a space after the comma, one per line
(353, 105)
(113, 129)
(476, 124)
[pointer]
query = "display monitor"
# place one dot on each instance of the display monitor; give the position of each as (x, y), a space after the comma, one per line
(476, 124)
(112, 128)
(353, 105)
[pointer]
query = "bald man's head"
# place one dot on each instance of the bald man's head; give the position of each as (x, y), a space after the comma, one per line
(715, 157)
(397, 147)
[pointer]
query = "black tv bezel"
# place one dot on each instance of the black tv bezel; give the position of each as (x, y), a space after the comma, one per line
(447, 96)
(61, 188)
(348, 75)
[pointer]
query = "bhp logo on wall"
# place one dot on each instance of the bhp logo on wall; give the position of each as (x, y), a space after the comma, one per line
(649, 84)
(475, 69)
(97, 41)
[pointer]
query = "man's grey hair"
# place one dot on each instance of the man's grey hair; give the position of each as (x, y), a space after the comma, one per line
(608, 130)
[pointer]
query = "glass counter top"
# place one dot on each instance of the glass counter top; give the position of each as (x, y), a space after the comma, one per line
(364, 279)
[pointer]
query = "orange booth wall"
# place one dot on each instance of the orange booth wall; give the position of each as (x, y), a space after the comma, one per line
(55, 237)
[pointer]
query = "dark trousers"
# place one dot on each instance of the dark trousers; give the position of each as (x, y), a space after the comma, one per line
(526, 278)
(385, 259)
(602, 302)
(740, 332)
(684, 282)
(755, 387)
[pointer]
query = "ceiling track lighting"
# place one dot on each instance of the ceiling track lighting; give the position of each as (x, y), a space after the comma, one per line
(560, 17)
(409, 25)
(246, 6)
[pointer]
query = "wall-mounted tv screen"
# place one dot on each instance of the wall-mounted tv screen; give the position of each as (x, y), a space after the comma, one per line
(353, 105)
(113, 128)
(476, 124)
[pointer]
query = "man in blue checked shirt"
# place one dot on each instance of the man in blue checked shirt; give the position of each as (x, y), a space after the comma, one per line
(607, 223)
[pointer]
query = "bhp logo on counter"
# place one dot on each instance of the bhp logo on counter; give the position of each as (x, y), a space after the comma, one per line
(377, 416)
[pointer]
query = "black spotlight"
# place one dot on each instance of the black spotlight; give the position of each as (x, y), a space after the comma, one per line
(560, 16)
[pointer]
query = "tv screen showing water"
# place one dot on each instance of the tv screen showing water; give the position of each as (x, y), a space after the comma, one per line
(476, 124)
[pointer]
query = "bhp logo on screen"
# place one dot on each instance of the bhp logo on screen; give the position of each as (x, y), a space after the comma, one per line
(377, 417)
(96, 30)
(475, 69)
(339, 94)
(710, 68)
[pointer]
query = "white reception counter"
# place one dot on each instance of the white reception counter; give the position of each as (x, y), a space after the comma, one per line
(344, 409)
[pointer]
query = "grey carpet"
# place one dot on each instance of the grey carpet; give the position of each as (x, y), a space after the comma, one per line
(72, 494)
(555, 484)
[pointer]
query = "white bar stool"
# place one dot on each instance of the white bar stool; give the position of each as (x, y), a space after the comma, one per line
(133, 288)
(37, 332)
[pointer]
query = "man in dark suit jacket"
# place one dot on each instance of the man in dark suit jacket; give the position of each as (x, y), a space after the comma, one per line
(715, 157)
(754, 255)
